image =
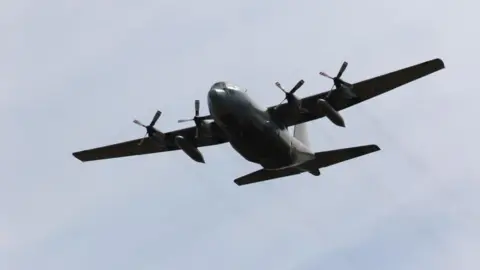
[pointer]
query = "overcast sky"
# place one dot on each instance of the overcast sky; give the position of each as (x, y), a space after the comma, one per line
(74, 76)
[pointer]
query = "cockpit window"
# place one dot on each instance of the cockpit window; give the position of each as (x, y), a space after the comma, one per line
(220, 85)
(229, 88)
(226, 86)
(232, 87)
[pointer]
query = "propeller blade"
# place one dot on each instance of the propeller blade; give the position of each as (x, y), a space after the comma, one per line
(280, 87)
(206, 117)
(155, 118)
(143, 139)
(342, 69)
(139, 123)
(330, 92)
(281, 101)
(326, 75)
(184, 120)
(197, 107)
(297, 86)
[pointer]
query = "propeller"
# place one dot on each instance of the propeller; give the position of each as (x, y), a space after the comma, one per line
(290, 96)
(338, 82)
(150, 128)
(197, 119)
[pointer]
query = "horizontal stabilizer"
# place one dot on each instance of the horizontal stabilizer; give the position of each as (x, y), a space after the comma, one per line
(322, 159)
(329, 158)
(264, 175)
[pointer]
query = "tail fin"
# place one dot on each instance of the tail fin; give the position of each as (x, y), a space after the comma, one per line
(300, 133)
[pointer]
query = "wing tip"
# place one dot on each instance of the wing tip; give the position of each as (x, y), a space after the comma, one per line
(371, 148)
(242, 181)
(78, 156)
(438, 62)
(375, 148)
(245, 180)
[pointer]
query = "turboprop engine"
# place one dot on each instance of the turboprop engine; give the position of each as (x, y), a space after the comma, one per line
(152, 132)
(331, 113)
(291, 98)
(189, 149)
(202, 128)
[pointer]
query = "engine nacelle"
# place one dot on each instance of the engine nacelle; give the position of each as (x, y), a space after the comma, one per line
(189, 149)
(157, 136)
(206, 129)
(331, 113)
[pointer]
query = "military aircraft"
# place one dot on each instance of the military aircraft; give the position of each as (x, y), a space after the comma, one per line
(261, 135)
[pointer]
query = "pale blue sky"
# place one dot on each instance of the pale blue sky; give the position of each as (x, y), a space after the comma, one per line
(73, 76)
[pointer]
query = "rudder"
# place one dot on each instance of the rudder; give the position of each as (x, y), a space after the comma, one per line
(300, 133)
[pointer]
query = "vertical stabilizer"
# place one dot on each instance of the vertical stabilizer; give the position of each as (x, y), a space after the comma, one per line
(300, 133)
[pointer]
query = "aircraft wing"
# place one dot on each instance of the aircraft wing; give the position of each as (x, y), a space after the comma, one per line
(149, 145)
(364, 90)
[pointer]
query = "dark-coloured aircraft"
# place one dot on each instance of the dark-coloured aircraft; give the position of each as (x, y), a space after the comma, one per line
(261, 135)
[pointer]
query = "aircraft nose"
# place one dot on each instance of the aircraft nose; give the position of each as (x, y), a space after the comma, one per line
(217, 100)
(216, 94)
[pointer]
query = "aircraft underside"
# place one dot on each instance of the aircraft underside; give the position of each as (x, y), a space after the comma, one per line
(257, 142)
(260, 136)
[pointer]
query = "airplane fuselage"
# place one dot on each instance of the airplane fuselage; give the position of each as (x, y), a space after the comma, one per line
(250, 129)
